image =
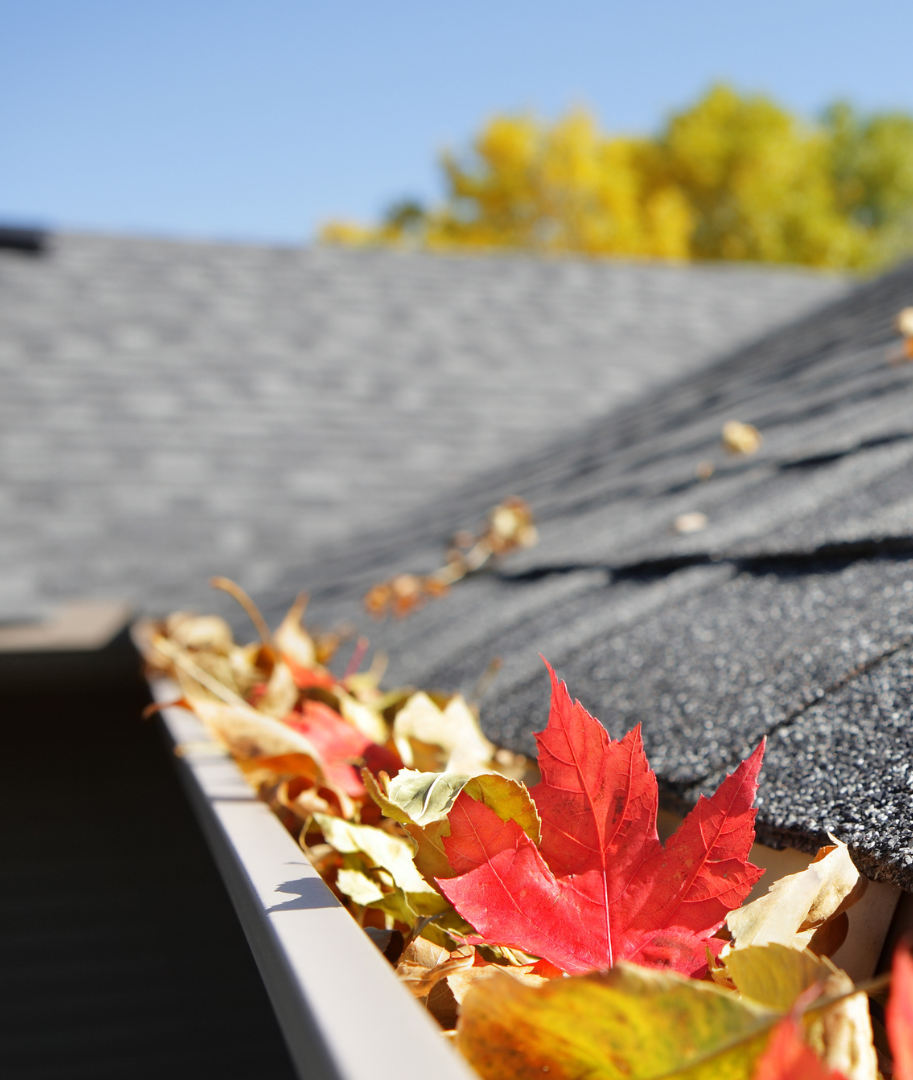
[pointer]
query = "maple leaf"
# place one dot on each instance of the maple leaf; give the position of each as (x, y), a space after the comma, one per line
(600, 887)
(342, 747)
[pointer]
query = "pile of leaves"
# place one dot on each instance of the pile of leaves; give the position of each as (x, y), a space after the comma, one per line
(532, 909)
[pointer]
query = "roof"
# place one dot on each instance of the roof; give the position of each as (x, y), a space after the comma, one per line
(789, 616)
(172, 410)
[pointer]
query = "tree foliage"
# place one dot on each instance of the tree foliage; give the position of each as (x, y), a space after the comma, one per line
(730, 177)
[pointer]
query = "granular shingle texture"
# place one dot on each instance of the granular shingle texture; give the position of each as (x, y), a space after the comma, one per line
(172, 410)
(790, 615)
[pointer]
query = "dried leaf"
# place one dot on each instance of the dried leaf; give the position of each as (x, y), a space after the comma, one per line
(200, 632)
(292, 640)
(280, 693)
(739, 438)
(692, 522)
(246, 732)
(303, 804)
(843, 1034)
(388, 853)
(461, 982)
(510, 526)
(359, 887)
(904, 322)
(796, 907)
(423, 965)
(454, 732)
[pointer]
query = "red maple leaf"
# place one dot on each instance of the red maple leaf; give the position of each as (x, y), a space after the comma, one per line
(600, 887)
(344, 749)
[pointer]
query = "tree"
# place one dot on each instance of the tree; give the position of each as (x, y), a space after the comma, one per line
(730, 177)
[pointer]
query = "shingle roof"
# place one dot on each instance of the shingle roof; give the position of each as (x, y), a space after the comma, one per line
(790, 615)
(172, 410)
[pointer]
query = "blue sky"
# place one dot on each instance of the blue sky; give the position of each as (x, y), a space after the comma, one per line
(248, 121)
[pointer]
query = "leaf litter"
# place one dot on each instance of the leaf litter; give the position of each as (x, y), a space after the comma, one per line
(532, 909)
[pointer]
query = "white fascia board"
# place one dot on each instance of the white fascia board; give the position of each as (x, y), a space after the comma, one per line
(343, 1012)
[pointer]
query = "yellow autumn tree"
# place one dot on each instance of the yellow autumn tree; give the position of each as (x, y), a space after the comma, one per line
(758, 183)
(564, 188)
(731, 177)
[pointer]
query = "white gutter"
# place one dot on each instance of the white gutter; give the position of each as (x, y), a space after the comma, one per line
(343, 1013)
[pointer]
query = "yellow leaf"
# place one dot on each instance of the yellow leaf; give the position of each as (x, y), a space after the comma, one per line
(626, 1024)
(425, 797)
(430, 857)
(774, 975)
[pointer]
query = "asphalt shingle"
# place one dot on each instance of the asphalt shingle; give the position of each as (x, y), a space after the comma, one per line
(172, 410)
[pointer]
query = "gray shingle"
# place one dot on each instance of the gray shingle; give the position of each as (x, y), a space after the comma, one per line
(174, 410)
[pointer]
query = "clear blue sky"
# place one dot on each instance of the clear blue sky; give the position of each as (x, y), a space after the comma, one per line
(257, 121)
